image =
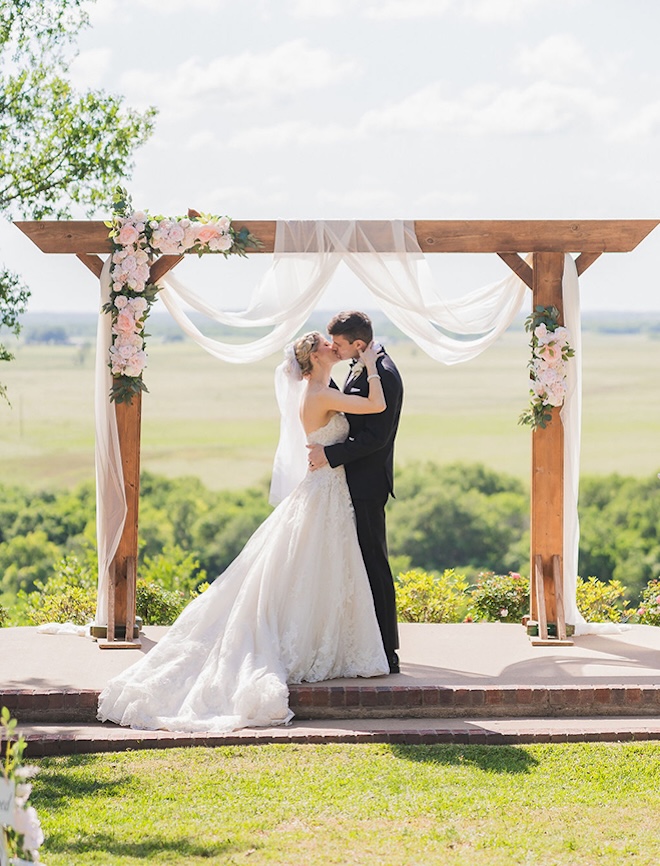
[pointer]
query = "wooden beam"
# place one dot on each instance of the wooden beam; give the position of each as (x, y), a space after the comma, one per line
(163, 266)
(547, 505)
(434, 236)
(93, 262)
(519, 266)
(584, 260)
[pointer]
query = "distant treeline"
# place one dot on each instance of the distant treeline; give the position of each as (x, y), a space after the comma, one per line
(63, 328)
(461, 516)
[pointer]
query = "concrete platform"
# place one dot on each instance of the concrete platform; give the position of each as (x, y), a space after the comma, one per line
(473, 682)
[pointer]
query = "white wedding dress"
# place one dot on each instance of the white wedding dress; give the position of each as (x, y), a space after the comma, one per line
(294, 606)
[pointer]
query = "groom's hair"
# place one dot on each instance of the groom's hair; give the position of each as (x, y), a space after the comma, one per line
(352, 325)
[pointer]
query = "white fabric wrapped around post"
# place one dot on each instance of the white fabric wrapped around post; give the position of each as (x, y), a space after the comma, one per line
(110, 494)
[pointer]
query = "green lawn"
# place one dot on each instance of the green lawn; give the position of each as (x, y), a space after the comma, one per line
(305, 805)
(219, 421)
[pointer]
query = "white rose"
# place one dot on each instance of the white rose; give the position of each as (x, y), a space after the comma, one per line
(121, 301)
(220, 244)
(26, 824)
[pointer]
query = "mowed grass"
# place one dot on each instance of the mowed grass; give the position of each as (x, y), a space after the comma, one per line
(220, 421)
(373, 805)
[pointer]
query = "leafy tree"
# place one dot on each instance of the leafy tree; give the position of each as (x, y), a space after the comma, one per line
(59, 148)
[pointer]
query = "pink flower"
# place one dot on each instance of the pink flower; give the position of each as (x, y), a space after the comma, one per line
(206, 232)
(128, 235)
(125, 323)
(515, 575)
(221, 243)
(504, 612)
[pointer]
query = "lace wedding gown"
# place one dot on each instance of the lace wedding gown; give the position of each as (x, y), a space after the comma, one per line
(294, 606)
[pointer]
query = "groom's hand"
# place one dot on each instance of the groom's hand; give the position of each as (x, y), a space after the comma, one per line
(316, 457)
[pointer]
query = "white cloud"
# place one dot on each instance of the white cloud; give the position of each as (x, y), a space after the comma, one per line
(293, 133)
(540, 108)
(89, 67)
(318, 8)
(561, 58)
(501, 10)
(643, 124)
(358, 200)
(289, 68)
(406, 9)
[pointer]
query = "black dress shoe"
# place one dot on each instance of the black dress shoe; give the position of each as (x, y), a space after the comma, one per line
(394, 663)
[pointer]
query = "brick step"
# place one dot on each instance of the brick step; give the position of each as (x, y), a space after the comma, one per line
(324, 701)
(71, 739)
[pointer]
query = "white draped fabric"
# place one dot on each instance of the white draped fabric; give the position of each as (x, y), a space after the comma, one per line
(307, 254)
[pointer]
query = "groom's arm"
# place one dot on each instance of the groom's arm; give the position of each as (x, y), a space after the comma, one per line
(377, 428)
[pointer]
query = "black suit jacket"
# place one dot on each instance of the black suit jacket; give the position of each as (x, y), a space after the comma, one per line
(368, 453)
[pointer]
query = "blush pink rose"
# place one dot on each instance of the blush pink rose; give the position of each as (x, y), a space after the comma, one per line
(128, 234)
(207, 232)
(125, 323)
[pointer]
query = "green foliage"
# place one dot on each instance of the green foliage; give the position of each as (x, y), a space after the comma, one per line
(620, 530)
(463, 516)
(26, 560)
(174, 569)
(13, 303)
(649, 609)
(69, 595)
(157, 606)
(500, 597)
(4, 616)
(423, 596)
(598, 601)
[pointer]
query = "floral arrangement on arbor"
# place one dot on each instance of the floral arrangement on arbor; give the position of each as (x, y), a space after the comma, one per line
(550, 351)
(138, 238)
(20, 831)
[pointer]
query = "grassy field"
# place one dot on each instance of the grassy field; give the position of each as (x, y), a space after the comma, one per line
(372, 805)
(220, 421)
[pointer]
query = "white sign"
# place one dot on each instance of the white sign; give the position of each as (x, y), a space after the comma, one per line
(7, 794)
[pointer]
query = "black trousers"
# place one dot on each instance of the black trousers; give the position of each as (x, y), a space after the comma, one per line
(372, 537)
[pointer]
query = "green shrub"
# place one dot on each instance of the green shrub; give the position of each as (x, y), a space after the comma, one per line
(423, 596)
(649, 608)
(499, 597)
(598, 601)
(174, 569)
(4, 616)
(69, 595)
(74, 605)
(158, 606)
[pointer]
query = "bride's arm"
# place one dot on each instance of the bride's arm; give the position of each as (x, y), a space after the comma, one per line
(353, 403)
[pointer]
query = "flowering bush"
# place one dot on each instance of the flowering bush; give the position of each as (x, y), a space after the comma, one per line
(602, 602)
(500, 597)
(649, 609)
(137, 239)
(20, 830)
(423, 596)
(550, 351)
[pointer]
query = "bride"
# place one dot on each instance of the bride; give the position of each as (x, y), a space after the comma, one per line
(294, 606)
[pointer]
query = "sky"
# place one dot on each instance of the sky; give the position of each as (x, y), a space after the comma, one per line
(379, 109)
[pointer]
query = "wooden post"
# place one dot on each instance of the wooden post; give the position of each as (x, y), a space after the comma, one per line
(129, 417)
(547, 506)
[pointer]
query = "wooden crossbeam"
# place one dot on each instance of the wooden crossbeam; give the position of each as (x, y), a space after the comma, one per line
(520, 267)
(584, 260)
(434, 236)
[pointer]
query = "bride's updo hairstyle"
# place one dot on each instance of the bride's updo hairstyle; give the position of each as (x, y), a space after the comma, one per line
(303, 350)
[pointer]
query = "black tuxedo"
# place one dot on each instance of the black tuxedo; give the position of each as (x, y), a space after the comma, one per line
(368, 457)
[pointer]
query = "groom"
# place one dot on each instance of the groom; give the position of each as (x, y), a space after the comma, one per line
(368, 456)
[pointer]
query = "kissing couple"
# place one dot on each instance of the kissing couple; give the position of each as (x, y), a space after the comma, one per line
(311, 595)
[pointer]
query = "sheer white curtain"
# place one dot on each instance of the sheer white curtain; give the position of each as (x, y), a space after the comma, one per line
(307, 254)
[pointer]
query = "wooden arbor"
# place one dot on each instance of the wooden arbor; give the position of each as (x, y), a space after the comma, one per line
(547, 241)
